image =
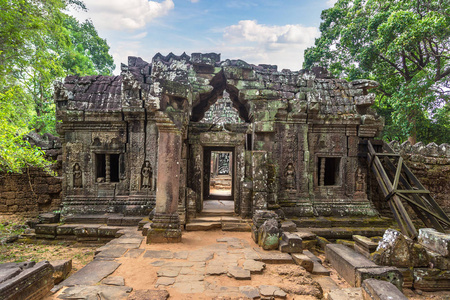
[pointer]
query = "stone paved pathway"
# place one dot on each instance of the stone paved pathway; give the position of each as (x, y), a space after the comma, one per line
(219, 264)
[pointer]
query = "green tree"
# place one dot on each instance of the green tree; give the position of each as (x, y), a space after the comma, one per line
(37, 42)
(404, 45)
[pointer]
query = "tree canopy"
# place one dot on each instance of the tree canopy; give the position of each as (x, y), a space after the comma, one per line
(402, 44)
(40, 43)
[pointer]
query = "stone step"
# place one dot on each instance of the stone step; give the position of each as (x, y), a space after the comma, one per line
(355, 268)
(327, 222)
(216, 213)
(201, 226)
(345, 233)
(290, 243)
(110, 219)
(236, 226)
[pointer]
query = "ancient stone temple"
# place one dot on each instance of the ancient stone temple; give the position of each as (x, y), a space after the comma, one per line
(141, 140)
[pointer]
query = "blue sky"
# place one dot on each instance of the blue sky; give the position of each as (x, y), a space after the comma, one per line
(269, 32)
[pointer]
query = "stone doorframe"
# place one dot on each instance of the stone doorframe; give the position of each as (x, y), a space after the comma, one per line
(214, 141)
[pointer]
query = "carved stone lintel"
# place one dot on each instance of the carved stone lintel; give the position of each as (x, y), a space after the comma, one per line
(165, 229)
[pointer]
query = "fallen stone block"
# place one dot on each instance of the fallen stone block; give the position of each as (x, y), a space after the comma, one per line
(290, 243)
(327, 284)
(345, 294)
(346, 261)
(436, 241)
(31, 283)
(374, 289)
(390, 274)
(268, 235)
(303, 261)
(396, 249)
(318, 269)
(274, 257)
(114, 280)
(250, 292)
(62, 269)
(431, 279)
(408, 278)
(364, 245)
(437, 261)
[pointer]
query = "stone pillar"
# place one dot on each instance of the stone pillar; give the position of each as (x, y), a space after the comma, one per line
(107, 168)
(166, 223)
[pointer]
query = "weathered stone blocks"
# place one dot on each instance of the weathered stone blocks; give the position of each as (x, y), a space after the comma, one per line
(374, 289)
(396, 249)
(435, 241)
(30, 283)
(290, 243)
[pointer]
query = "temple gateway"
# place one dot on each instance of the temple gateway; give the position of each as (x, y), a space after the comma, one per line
(173, 134)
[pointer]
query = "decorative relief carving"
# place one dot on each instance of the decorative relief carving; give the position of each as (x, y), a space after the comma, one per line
(77, 176)
(146, 176)
(290, 177)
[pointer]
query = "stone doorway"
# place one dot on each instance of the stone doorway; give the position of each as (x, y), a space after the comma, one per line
(218, 179)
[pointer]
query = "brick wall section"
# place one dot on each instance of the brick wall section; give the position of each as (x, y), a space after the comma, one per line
(34, 190)
(29, 193)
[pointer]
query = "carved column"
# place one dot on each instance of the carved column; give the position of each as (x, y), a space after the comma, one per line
(166, 223)
(107, 168)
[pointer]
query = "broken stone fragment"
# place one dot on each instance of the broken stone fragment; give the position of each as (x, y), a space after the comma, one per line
(268, 235)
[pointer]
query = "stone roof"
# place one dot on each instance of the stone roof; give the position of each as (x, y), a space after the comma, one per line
(94, 93)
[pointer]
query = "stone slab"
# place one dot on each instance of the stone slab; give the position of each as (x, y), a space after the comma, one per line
(66, 229)
(250, 292)
(115, 251)
(92, 273)
(164, 281)
(303, 261)
(272, 291)
(158, 254)
(254, 266)
(390, 274)
(274, 257)
(92, 292)
(134, 253)
(346, 294)
(114, 280)
(381, 290)
(46, 229)
(345, 261)
(238, 273)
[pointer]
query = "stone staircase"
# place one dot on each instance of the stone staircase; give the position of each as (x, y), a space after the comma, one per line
(219, 220)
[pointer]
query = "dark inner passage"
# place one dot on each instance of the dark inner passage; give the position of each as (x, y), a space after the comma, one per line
(100, 166)
(328, 174)
(114, 165)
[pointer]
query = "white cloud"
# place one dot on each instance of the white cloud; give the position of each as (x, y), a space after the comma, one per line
(194, 1)
(331, 3)
(125, 15)
(258, 43)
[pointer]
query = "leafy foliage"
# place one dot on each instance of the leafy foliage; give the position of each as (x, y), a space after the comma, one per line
(39, 43)
(404, 45)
